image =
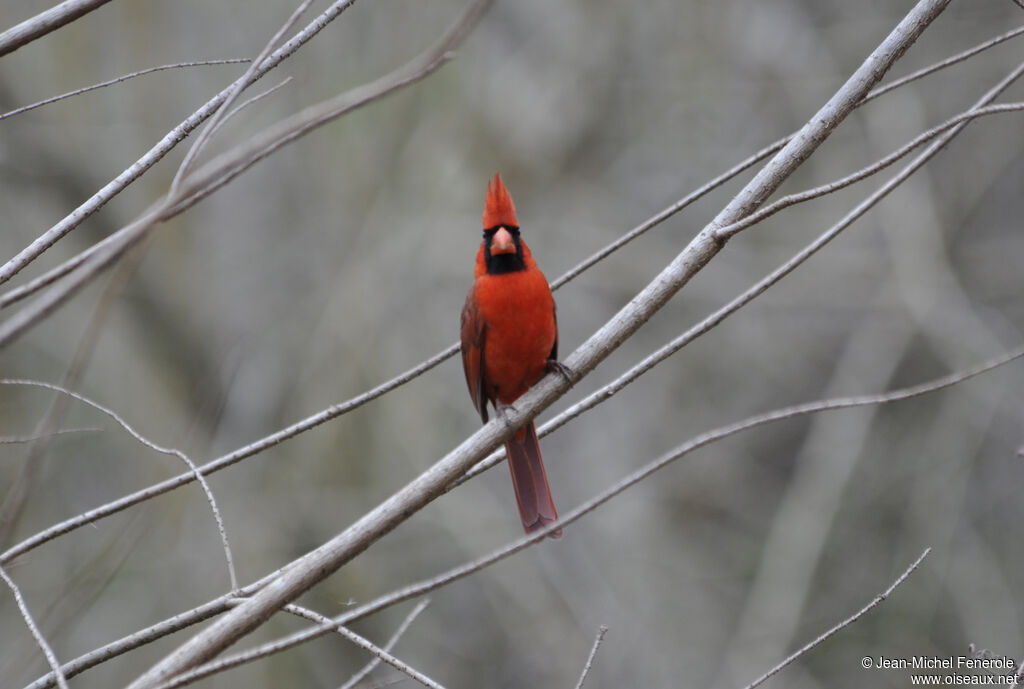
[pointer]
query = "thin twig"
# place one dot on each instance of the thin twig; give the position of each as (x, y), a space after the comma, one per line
(258, 97)
(118, 80)
(845, 623)
(51, 658)
(380, 654)
(153, 446)
(699, 441)
(15, 440)
(372, 665)
(602, 630)
(942, 64)
(248, 77)
(45, 22)
(725, 233)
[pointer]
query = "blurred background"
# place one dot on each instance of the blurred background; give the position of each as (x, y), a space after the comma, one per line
(344, 260)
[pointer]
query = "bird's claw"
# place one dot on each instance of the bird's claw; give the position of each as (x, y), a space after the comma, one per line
(556, 366)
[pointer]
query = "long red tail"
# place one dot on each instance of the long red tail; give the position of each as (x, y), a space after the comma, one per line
(533, 495)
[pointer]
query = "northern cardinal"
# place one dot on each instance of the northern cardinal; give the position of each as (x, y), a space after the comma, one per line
(509, 341)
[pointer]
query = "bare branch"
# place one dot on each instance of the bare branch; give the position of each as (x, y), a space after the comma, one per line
(707, 438)
(62, 681)
(258, 97)
(726, 233)
(602, 630)
(153, 446)
(118, 80)
(381, 654)
(170, 140)
(942, 64)
(45, 22)
(369, 667)
(248, 77)
(844, 624)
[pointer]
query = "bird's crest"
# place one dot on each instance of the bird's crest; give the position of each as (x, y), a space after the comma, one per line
(498, 207)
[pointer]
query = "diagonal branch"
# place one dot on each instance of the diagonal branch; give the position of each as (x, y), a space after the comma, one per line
(590, 658)
(51, 658)
(877, 600)
(243, 82)
(45, 22)
(118, 80)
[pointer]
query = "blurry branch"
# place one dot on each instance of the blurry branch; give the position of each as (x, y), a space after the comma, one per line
(845, 623)
(170, 140)
(316, 565)
(706, 438)
(17, 496)
(38, 635)
(242, 83)
(118, 80)
(153, 446)
(229, 165)
(369, 667)
(15, 440)
(590, 658)
(45, 22)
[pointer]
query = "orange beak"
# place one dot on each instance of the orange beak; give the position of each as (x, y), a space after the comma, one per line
(502, 242)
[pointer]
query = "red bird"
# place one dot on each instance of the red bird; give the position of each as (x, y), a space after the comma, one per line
(509, 341)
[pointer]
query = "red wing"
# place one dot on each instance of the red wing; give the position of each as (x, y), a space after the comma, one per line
(473, 334)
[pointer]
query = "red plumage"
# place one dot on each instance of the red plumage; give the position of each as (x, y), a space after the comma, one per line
(509, 341)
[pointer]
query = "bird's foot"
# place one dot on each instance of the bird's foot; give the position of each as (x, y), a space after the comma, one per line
(556, 366)
(502, 410)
